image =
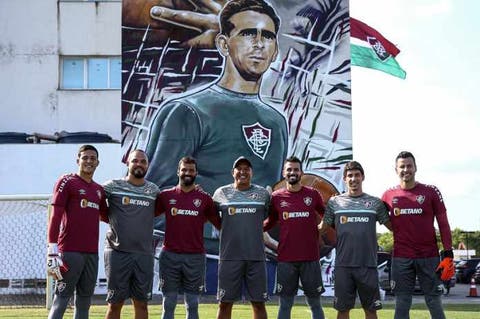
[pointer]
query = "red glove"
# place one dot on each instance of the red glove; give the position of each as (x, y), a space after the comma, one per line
(446, 268)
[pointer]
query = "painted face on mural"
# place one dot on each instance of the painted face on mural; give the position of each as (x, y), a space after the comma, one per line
(252, 44)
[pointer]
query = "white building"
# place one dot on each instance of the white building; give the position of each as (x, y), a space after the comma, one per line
(60, 70)
(41, 44)
(60, 65)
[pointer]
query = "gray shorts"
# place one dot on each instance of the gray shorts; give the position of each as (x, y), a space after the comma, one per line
(406, 270)
(182, 272)
(129, 275)
(234, 276)
(289, 274)
(349, 281)
(81, 275)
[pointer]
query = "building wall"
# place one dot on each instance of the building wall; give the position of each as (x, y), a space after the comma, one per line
(34, 35)
(90, 28)
(34, 169)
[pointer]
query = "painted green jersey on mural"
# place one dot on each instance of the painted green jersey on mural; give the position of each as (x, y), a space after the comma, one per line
(216, 126)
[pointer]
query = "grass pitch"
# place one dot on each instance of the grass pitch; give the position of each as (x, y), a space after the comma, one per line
(243, 311)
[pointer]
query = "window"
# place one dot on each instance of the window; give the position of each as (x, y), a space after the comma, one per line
(91, 73)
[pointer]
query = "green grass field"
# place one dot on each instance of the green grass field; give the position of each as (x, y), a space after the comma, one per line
(243, 311)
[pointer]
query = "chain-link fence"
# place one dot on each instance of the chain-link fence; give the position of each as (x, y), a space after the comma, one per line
(23, 242)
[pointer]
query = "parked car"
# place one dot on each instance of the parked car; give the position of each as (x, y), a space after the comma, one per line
(384, 264)
(476, 275)
(465, 269)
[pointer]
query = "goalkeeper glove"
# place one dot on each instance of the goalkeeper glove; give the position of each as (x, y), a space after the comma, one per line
(55, 264)
(446, 268)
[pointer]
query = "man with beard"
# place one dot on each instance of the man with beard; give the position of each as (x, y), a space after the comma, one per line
(414, 207)
(182, 260)
(354, 215)
(128, 245)
(299, 210)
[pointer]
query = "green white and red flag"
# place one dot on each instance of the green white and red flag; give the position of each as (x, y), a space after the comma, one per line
(370, 49)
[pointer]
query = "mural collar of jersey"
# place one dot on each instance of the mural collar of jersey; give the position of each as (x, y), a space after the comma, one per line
(258, 138)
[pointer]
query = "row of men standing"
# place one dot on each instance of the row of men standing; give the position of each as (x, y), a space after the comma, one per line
(242, 211)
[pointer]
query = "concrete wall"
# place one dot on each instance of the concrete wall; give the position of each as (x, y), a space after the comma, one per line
(34, 168)
(90, 28)
(34, 34)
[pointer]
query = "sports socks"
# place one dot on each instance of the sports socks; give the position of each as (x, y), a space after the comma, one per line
(434, 304)
(403, 302)
(191, 305)
(82, 306)
(59, 306)
(169, 304)
(315, 307)
(285, 307)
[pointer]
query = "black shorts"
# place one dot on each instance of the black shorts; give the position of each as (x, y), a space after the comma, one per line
(405, 271)
(233, 275)
(129, 275)
(81, 275)
(182, 272)
(308, 273)
(349, 281)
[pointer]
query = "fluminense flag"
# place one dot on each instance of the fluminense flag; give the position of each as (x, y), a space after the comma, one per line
(370, 49)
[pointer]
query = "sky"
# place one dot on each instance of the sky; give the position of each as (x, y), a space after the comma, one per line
(433, 112)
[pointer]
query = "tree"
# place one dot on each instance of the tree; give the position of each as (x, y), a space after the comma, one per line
(385, 241)
(471, 240)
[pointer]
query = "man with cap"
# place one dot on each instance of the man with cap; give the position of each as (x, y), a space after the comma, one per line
(243, 207)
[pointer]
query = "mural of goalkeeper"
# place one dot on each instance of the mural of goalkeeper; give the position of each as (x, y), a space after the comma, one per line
(174, 46)
(227, 118)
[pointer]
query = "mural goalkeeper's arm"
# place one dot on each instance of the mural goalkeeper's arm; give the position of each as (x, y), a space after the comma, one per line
(174, 133)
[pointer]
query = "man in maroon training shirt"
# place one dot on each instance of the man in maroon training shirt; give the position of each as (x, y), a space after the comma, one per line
(78, 203)
(182, 261)
(299, 210)
(413, 208)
